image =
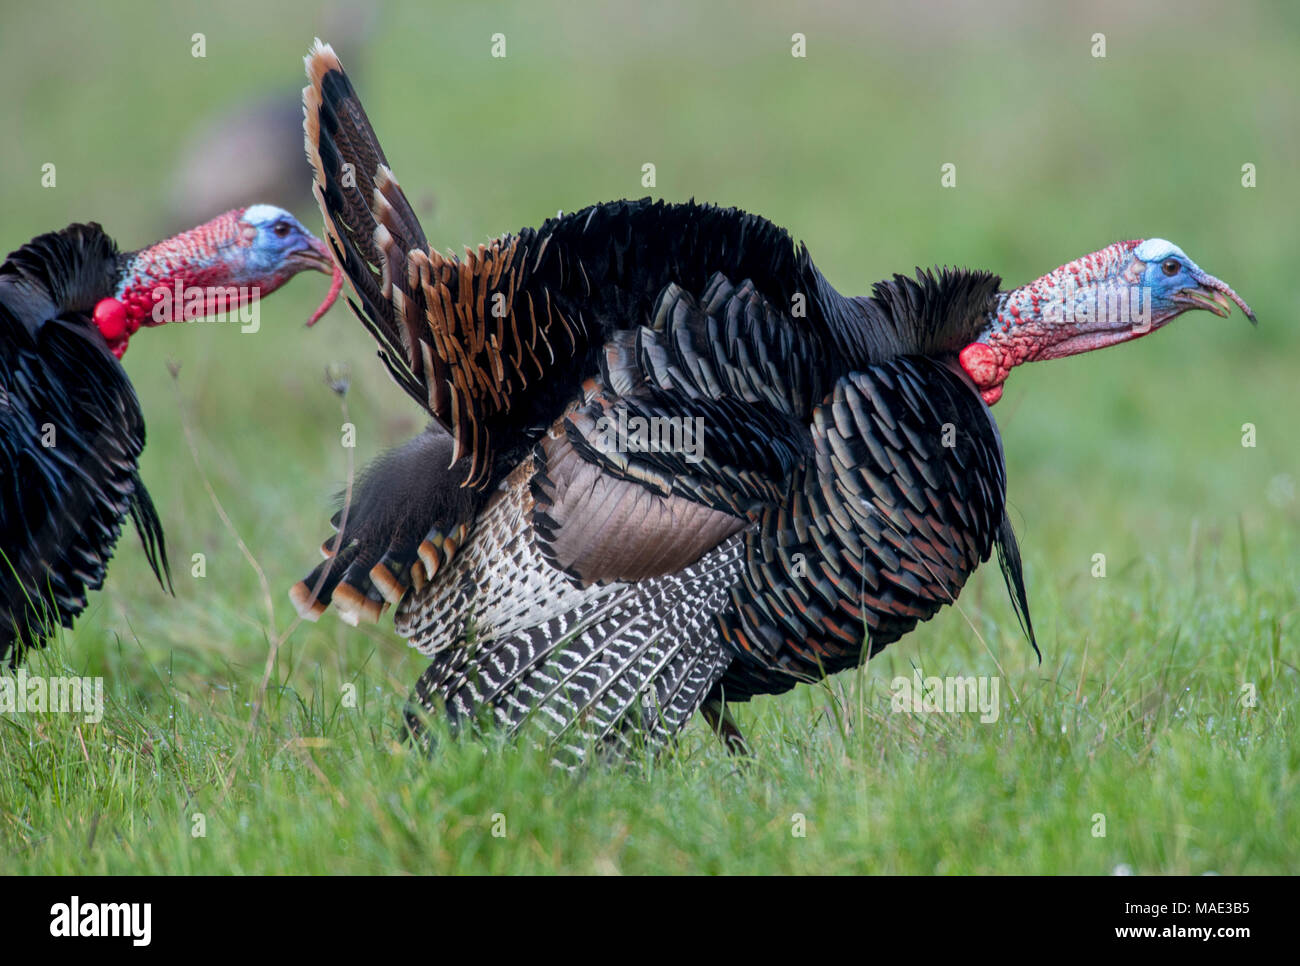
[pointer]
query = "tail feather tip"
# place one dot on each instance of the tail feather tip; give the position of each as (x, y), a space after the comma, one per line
(309, 608)
(353, 606)
(320, 61)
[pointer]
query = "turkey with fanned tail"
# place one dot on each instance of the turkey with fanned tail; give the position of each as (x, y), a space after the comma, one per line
(670, 466)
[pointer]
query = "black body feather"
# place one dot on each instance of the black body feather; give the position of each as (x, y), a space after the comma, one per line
(71, 433)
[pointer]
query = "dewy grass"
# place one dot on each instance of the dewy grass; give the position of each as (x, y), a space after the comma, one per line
(1144, 759)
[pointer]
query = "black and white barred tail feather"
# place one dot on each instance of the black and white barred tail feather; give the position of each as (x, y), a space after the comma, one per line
(526, 645)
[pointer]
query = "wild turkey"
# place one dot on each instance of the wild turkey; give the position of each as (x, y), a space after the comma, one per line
(560, 569)
(71, 430)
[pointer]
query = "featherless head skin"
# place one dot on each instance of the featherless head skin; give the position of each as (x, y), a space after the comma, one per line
(222, 265)
(1122, 292)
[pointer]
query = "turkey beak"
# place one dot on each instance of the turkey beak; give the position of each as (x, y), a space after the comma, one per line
(317, 257)
(1214, 296)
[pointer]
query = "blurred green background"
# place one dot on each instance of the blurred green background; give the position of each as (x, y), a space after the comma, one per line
(1135, 452)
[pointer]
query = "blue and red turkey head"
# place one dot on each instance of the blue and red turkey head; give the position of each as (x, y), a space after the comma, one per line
(227, 262)
(1123, 292)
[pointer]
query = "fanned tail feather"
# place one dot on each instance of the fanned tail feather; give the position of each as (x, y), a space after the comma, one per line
(408, 516)
(368, 221)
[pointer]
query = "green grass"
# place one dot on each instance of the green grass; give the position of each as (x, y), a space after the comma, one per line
(1142, 722)
(1136, 712)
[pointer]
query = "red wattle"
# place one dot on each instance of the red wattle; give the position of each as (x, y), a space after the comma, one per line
(981, 364)
(110, 319)
(984, 366)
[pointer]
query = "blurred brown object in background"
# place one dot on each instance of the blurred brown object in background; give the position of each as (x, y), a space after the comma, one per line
(253, 149)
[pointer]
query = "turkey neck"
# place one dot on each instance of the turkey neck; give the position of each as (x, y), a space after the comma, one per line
(208, 256)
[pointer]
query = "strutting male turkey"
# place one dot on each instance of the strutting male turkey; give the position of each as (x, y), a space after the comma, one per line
(71, 430)
(561, 569)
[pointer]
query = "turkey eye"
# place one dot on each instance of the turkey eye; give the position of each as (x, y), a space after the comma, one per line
(1171, 267)
(281, 229)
